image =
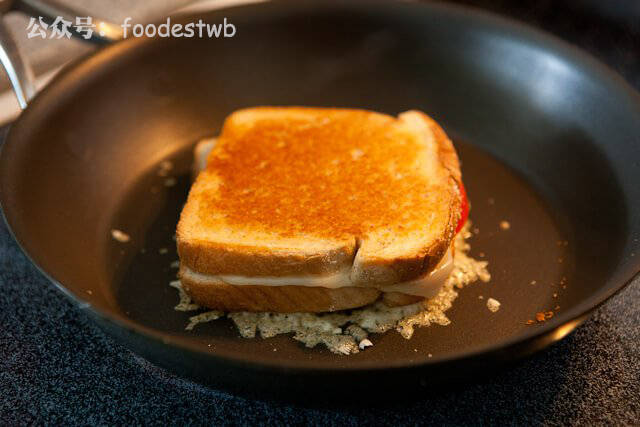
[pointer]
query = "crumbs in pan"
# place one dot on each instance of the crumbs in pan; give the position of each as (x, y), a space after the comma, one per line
(120, 236)
(348, 332)
(493, 305)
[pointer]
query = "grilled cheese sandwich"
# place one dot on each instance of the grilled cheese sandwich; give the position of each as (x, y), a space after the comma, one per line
(313, 209)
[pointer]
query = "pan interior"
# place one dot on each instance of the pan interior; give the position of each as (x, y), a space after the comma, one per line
(544, 133)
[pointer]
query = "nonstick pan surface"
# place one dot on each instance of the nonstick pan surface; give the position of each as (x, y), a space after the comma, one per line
(549, 141)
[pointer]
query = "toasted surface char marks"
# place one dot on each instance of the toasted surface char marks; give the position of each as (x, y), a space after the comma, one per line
(332, 173)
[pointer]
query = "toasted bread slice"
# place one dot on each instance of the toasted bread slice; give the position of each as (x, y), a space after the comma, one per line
(396, 299)
(311, 191)
(216, 294)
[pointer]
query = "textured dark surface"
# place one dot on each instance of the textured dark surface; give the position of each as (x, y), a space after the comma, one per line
(56, 366)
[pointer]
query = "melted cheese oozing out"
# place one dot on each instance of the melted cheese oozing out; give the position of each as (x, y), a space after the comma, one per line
(425, 286)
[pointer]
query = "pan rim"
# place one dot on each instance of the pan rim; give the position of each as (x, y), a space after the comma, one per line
(503, 25)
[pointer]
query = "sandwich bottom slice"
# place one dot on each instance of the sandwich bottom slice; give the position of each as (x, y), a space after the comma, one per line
(316, 210)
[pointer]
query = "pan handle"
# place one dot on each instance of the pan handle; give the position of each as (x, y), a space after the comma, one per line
(18, 70)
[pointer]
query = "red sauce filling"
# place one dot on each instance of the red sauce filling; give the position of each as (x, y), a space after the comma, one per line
(464, 208)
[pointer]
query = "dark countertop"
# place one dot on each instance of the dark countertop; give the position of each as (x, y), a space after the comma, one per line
(57, 367)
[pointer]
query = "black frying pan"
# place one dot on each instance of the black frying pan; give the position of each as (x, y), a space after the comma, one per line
(549, 140)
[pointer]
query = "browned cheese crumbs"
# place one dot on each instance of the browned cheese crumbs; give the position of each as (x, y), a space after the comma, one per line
(493, 305)
(120, 236)
(185, 303)
(347, 332)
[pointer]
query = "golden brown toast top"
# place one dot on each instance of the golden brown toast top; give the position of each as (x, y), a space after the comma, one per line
(327, 172)
(377, 188)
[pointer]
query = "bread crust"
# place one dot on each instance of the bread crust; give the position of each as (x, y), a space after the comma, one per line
(397, 299)
(215, 258)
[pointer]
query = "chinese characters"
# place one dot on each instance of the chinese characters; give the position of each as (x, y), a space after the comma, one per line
(60, 28)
